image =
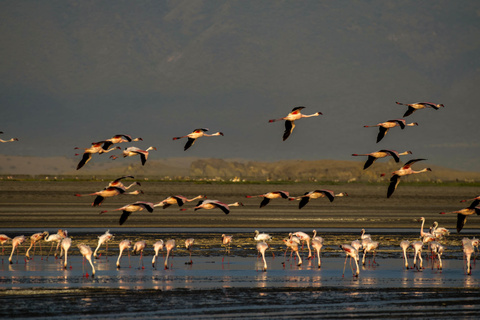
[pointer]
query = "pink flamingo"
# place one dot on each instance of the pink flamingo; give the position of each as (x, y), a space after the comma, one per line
(412, 107)
(88, 152)
(18, 240)
(404, 244)
(128, 209)
(34, 238)
(139, 246)
(197, 133)
(295, 114)
(123, 245)
(169, 245)
(227, 242)
(403, 171)
(157, 246)
(107, 193)
(134, 151)
(304, 238)
(66, 244)
(189, 244)
(463, 213)
(417, 247)
(271, 195)
(262, 247)
(9, 140)
(353, 254)
(212, 204)
(315, 195)
(385, 126)
(468, 250)
(178, 200)
(119, 138)
(317, 246)
(104, 238)
(86, 252)
(3, 239)
(261, 236)
(369, 246)
(373, 156)
(56, 237)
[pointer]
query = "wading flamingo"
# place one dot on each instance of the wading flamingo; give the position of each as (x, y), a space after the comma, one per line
(423, 234)
(128, 209)
(365, 236)
(317, 246)
(227, 242)
(169, 246)
(404, 244)
(189, 244)
(3, 239)
(353, 254)
(369, 246)
(88, 152)
(295, 114)
(262, 247)
(104, 238)
(197, 133)
(403, 171)
(108, 193)
(412, 107)
(271, 195)
(139, 246)
(468, 250)
(437, 249)
(66, 243)
(261, 236)
(86, 252)
(56, 237)
(157, 246)
(463, 213)
(304, 238)
(34, 238)
(315, 195)
(122, 246)
(385, 126)
(178, 200)
(134, 151)
(17, 241)
(439, 232)
(119, 138)
(372, 157)
(417, 247)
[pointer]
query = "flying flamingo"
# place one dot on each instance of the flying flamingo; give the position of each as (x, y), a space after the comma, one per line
(88, 152)
(404, 244)
(463, 213)
(4, 238)
(261, 236)
(476, 198)
(133, 207)
(197, 133)
(169, 245)
(107, 193)
(119, 138)
(133, 151)
(385, 126)
(296, 114)
(212, 204)
(353, 254)
(118, 183)
(86, 252)
(417, 247)
(139, 246)
(405, 170)
(18, 240)
(412, 107)
(468, 250)
(271, 195)
(262, 247)
(369, 246)
(372, 157)
(9, 140)
(304, 238)
(157, 246)
(104, 238)
(34, 238)
(189, 244)
(66, 243)
(123, 245)
(178, 200)
(315, 195)
(317, 246)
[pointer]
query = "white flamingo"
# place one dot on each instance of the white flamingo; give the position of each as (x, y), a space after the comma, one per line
(262, 247)
(295, 114)
(104, 238)
(86, 252)
(157, 246)
(197, 133)
(169, 245)
(123, 245)
(387, 125)
(353, 254)
(66, 243)
(404, 244)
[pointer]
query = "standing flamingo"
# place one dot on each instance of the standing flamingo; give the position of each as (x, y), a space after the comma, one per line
(353, 254)
(271, 195)
(178, 200)
(104, 238)
(463, 213)
(139, 246)
(66, 244)
(468, 250)
(317, 246)
(373, 156)
(315, 195)
(412, 107)
(437, 249)
(189, 244)
(88, 152)
(365, 236)
(262, 247)
(56, 237)
(227, 242)
(211, 204)
(369, 246)
(134, 151)
(86, 252)
(295, 114)
(119, 138)
(404, 244)
(3, 239)
(261, 236)
(405, 170)
(197, 133)
(304, 238)
(423, 234)
(439, 232)
(169, 245)
(157, 246)
(34, 238)
(18, 240)
(123, 245)
(128, 209)
(417, 247)
(385, 126)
